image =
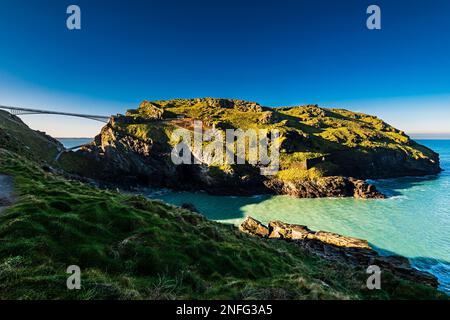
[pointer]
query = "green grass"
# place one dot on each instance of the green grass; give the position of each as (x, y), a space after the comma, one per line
(321, 130)
(293, 174)
(131, 248)
(354, 141)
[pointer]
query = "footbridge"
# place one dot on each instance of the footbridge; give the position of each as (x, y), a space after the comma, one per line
(26, 111)
(68, 150)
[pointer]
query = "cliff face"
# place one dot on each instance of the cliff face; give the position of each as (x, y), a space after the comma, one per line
(381, 163)
(320, 148)
(119, 157)
(335, 186)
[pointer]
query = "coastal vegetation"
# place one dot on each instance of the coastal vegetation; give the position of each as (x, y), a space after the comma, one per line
(129, 247)
(315, 144)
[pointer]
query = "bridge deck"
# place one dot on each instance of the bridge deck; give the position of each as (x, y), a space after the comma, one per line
(28, 111)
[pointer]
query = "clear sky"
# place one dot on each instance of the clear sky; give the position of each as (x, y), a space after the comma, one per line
(274, 52)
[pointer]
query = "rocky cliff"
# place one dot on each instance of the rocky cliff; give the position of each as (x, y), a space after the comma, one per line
(324, 152)
(124, 232)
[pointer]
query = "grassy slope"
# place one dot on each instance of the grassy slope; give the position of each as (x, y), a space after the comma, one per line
(16, 136)
(132, 248)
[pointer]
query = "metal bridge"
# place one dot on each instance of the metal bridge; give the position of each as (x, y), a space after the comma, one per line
(25, 111)
(68, 150)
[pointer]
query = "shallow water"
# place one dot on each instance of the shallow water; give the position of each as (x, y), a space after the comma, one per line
(413, 222)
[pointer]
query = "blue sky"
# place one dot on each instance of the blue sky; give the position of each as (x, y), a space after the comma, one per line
(274, 52)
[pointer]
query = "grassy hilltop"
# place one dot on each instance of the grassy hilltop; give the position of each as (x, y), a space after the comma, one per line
(307, 132)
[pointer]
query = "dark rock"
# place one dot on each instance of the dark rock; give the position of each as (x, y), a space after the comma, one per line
(190, 207)
(48, 168)
(325, 187)
(4, 202)
(401, 266)
(385, 163)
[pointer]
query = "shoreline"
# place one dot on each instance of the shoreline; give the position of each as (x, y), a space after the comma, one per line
(349, 214)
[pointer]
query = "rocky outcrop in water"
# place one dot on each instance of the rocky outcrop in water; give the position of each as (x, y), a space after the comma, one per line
(321, 150)
(335, 247)
(130, 161)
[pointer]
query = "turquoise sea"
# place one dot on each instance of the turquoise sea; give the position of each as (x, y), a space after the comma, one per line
(414, 221)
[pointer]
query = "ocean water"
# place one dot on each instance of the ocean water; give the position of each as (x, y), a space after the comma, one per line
(74, 142)
(414, 221)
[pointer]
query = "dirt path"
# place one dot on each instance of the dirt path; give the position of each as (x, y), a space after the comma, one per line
(6, 192)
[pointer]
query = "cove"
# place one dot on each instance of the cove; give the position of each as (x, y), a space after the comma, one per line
(414, 221)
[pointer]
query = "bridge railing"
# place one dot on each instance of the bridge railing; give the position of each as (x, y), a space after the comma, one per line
(27, 111)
